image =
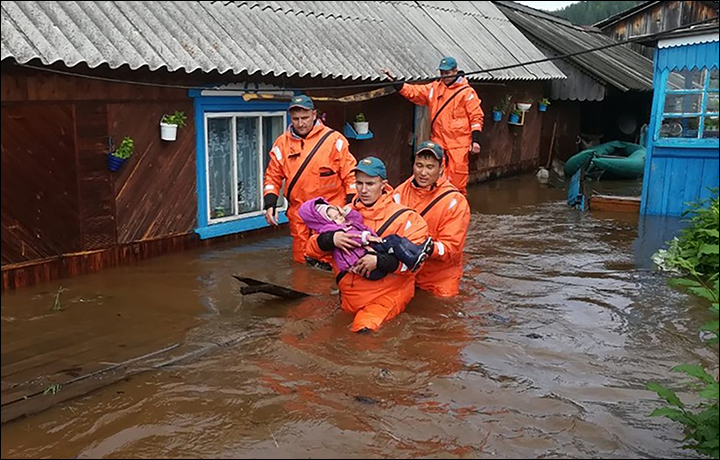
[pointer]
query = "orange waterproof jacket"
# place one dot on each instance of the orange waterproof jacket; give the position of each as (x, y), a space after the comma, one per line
(448, 220)
(454, 126)
(374, 302)
(329, 174)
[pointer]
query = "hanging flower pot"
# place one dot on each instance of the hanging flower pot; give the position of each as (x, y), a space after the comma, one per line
(169, 125)
(168, 132)
(514, 117)
(543, 105)
(118, 158)
(361, 125)
(115, 163)
(497, 115)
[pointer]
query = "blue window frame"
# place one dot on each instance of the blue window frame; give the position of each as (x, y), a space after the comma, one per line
(689, 107)
(233, 141)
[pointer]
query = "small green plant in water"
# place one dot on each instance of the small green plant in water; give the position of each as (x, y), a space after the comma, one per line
(56, 304)
(360, 118)
(178, 118)
(53, 389)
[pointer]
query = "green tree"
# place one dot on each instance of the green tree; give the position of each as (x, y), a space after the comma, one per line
(586, 13)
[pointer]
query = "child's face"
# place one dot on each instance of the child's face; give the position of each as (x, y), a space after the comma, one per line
(335, 215)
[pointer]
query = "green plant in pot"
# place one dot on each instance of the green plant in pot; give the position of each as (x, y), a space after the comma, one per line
(170, 123)
(515, 115)
(501, 107)
(543, 104)
(361, 125)
(124, 151)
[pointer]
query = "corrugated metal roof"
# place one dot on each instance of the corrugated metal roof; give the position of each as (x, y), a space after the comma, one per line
(349, 40)
(618, 66)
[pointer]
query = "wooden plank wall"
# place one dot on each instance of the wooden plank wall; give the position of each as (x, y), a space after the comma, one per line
(391, 122)
(39, 182)
(58, 196)
(657, 18)
(95, 189)
(155, 191)
(507, 149)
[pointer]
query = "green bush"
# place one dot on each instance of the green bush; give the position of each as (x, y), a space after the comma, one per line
(695, 253)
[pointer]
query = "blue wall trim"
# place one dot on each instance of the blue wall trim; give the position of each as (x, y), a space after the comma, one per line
(235, 226)
(209, 104)
(678, 171)
(688, 56)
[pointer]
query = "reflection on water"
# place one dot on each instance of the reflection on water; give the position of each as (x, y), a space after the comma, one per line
(560, 323)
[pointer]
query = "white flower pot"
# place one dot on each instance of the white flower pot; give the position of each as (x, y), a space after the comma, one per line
(361, 127)
(168, 132)
(524, 106)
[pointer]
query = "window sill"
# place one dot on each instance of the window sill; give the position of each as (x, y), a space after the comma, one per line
(239, 225)
(687, 143)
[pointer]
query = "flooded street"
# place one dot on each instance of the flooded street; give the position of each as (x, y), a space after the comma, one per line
(546, 353)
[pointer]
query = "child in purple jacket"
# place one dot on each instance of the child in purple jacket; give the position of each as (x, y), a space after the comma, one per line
(320, 217)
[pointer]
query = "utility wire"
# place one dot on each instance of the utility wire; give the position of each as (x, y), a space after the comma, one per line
(656, 35)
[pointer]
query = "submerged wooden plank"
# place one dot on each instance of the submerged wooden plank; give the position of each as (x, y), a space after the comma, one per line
(615, 203)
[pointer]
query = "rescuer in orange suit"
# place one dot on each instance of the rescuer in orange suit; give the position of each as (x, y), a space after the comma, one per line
(455, 114)
(313, 160)
(374, 302)
(447, 214)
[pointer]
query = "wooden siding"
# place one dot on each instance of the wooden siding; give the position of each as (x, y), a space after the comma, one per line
(678, 170)
(59, 196)
(97, 206)
(391, 122)
(39, 185)
(154, 192)
(677, 176)
(660, 17)
(506, 148)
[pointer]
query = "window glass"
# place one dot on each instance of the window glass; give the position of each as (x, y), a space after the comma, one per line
(220, 167)
(691, 105)
(686, 80)
(686, 127)
(248, 170)
(710, 130)
(683, 103)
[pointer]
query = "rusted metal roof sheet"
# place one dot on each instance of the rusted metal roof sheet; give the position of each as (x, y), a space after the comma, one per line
(348, 40)
(617, 66)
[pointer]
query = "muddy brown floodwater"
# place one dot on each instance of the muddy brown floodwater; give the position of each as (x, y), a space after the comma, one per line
(546, 353)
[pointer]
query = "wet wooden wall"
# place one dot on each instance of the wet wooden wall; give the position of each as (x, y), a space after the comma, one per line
(657, 18)
(58, 196)
(508, 149)
(391, 122)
